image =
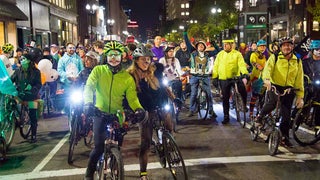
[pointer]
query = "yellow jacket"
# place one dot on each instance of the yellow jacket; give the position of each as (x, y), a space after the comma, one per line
(285, 73)
(254, 60)
(228, 65)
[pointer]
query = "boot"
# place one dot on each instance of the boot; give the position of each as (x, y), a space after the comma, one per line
(226, 119)
(33, 139)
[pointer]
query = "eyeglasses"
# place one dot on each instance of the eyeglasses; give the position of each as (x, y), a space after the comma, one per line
(116, 56)
(72, 48)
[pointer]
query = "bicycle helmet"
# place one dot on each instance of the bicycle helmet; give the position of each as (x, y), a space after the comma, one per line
(141, 50)
(113, 45)
(261, 43)
(285, 40)
(315, 44)
(7, 48)
(34, 54)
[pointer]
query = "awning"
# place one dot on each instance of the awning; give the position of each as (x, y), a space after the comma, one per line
(12, 11)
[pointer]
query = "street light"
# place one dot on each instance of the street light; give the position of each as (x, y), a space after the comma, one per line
(92, 9)
(110, 22)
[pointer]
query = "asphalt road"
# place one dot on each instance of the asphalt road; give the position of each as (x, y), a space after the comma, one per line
(211, 151)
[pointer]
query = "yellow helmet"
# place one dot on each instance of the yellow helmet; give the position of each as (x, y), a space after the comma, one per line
(228, 41)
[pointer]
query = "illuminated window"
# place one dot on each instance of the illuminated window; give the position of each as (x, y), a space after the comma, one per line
(1, 32)
(182, 6)
(187, 5)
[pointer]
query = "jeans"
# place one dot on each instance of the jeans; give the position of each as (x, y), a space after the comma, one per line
(194, 82)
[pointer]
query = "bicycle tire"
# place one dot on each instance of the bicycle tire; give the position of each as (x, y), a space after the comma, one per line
(73, 138)
(88, 140)
(202, 104)
(254, 132)
(3, 149)
(174, 158)
(240, 108)
(111, 164)
(303, 127)
(274, 141)
(10, 130)
(175, 115)
(25, 123)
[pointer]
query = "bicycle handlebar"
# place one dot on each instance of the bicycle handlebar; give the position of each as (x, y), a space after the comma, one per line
(286, 91)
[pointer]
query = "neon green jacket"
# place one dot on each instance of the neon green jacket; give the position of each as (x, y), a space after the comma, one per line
(285, 73)
(229, 65)
(110, 89)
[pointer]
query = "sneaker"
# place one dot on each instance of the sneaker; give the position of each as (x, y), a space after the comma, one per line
(226, 120)
(33, 139)
(286, 143)
(213, 114)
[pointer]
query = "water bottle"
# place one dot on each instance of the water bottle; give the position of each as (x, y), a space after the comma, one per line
(160, 135)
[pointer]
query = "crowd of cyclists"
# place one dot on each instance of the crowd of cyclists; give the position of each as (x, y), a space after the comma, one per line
(117, 76)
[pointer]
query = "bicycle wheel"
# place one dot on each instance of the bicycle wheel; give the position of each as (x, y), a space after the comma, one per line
(111, 167)
(274, 141)
(10, 129)
(203, 104)
(303, 129)
(175, 116)
(174, 158)
(3, 149)
(88, 138)
(73, 137)
(24, 124)
(240, 110)
(254, 131)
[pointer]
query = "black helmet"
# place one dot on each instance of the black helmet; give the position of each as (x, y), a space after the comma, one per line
(201, 42)
(34, 54)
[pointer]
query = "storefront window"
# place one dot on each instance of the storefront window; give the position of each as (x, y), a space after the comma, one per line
(2, 33)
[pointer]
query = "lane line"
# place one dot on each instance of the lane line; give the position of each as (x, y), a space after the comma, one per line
(51, 154)
(297, 158)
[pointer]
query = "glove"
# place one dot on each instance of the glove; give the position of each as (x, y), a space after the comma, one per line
(140, 115)
(267, 84)
(299, 103)
(28, 88)
(88, 109)
(244, 80)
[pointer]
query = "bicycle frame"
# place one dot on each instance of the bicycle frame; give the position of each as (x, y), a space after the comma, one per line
(202, 100)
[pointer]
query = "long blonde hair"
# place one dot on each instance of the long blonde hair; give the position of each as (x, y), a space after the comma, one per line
(138, 75)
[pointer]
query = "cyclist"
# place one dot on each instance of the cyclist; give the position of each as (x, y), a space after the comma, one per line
(172, 71)
(91, 60)
(200, 68)
(229, 63)
(7, 51)
(257, 60)
(283, 72)
(311, 68)
(28, 82)
(110, 83)
(151, 93)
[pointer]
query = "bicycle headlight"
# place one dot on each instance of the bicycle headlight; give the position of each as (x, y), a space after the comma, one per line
(165, 81)
(317, 82)
(167, 107)
(76, 96)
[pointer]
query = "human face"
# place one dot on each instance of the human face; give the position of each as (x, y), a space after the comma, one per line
(89, 62)
(144, 62)
(200, 47)
(157, 41)
(316, 52)
(253, 46)
(170, 53)
(114, 57)
(71, 49)
(262, 48)
(183, 45)
(227, 47)
(286, 48)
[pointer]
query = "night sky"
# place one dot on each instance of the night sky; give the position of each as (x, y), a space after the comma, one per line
(145, 12)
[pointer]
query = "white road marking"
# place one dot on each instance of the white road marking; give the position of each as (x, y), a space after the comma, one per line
(51, 154)
(156, 165)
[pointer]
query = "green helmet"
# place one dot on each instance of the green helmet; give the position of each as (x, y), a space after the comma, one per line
(7, 48)
(113, 45)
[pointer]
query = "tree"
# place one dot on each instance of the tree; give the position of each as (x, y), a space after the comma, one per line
(315, 11)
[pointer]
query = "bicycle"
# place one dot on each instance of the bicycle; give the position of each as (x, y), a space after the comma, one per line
(80, 126)
(110, 165)
(166, 147)
(240, 107)
(202, 100)
(304, 129)
(270, 123)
